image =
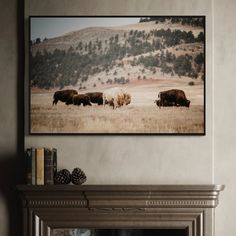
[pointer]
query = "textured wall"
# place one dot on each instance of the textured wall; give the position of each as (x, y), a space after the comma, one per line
(225, 113)
(11, 113)
(143, 159)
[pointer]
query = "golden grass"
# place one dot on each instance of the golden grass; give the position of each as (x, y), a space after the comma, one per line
(130, 119)
(141, 116)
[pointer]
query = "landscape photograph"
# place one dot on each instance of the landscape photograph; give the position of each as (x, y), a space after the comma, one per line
(117, 75)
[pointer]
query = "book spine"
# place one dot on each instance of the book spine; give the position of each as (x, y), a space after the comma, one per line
(28, 166)
(54, 150)
(33, 162)
(40, 166)
(48, 166)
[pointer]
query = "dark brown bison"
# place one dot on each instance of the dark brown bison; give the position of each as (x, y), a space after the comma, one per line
(164, 104)
(158, 103)
(81, 99)
(173, 97)
(95, 97)
(64, 96)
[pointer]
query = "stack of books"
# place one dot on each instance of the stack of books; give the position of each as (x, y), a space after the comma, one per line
(41, 165)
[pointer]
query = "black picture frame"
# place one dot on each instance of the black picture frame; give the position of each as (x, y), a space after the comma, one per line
(177, 108)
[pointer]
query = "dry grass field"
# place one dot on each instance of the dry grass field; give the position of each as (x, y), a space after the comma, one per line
(141, 116)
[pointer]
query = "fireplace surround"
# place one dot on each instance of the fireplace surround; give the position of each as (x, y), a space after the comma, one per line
(143, 207)
(119, 232)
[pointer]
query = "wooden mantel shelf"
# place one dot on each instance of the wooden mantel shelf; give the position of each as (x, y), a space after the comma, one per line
(120, 206)
(121, 187)
(113, 196)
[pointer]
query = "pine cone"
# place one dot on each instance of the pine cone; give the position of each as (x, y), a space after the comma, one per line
(62, 177)
(78, 176)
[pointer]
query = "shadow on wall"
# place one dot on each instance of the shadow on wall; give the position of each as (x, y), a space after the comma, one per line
(12, 168)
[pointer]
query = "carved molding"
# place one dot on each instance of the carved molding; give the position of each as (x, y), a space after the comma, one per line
(108, 205)
(122, 196)
(184, 206)
(57, 203)
(179, 203)
(191, 221)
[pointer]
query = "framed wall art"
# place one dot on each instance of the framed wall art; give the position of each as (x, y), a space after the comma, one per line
(117, 75)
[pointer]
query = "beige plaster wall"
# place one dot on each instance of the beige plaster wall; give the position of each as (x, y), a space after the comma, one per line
(134, 159)
(225, 113)
(8, 78)
(9, 159)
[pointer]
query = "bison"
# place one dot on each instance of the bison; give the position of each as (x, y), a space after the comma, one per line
(158, 103)
(96, 97)
(81, 99)
(116, 97)
(127, 99)
(164, 104)
(64, 96)
(173, 97)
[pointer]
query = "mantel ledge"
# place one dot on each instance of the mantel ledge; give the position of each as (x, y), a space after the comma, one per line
(120, 197)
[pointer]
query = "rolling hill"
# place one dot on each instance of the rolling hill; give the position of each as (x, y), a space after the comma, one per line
(104, 56)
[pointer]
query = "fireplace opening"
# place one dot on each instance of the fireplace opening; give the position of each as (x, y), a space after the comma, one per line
(120, 232)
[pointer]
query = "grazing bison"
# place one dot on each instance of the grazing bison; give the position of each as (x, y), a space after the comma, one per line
(124, 99)
(127, 99)
(116, 97)
(81, 99)
(158, 103)
(96, 97)
(173, 97)
(64, 96)
(164, 104)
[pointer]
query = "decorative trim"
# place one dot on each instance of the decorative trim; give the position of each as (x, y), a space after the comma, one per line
(148, 203)
(55, 203)
(187, 207)
(190, 220)
(178, 203)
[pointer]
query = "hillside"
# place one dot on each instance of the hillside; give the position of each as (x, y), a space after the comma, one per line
(105, 56)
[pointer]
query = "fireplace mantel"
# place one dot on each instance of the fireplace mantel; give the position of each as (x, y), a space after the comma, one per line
(119, 206)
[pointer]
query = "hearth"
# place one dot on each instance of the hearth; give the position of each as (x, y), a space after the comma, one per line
(127, 210)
